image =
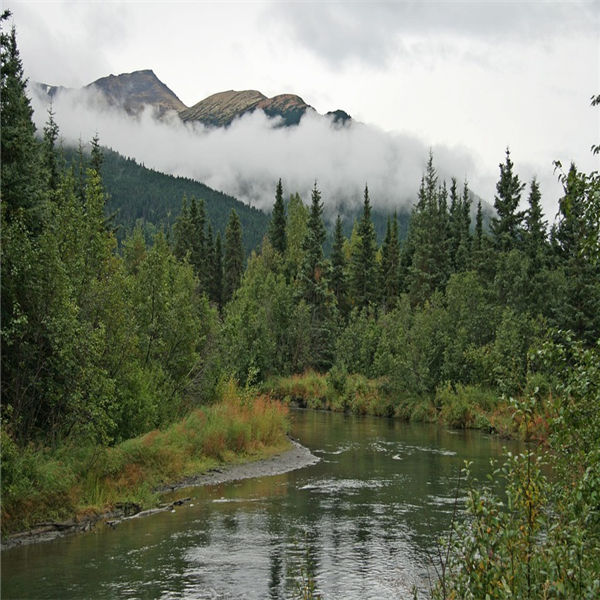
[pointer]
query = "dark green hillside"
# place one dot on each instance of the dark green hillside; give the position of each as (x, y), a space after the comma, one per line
(137, 193)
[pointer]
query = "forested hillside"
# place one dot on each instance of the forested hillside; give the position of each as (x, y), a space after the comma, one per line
(151, 199)
(138, 195)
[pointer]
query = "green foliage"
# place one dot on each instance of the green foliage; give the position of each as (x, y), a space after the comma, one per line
(278, 222)
(259, 321)
(233, 263)
(338, 278)
(507, 226)
(363, 272)
(20, 167)
(429, 257)
(542, 538)
(40, 485)
(139, 195)
(389, 275)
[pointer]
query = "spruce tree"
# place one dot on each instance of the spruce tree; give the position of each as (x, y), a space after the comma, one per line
(580, 311)
(506, 228)
(217, 279)
(50, 161)
(454, 223)
(96, 155)
(278, 222)
(313, 264)
(199, 247)
(209, 261)
(338, 269)
(535, 226)
(429, 269)
(463, 252)
(478, 239)
(20, 165)
(313, 286)
(183, 232)
(363, 273)
(389, 283)
(234, 256)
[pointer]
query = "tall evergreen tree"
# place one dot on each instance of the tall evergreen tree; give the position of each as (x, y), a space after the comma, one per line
(234, 256)
(313, 286)
(463, 251)
(454, 222)
(217, 279)
(429, 269)
(209, 261)
(363, 272)
(183, 232)
(20, 165)
(338, 269)
(389, 283)
(199, 246)
(96, 155)
(313, 265)
(50, 160)
(581, 305)
(278, 222)
(535, 226)
(478, 239)
(506, 227)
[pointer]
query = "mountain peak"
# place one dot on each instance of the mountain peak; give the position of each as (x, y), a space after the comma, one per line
(220, 109)
(135, 90)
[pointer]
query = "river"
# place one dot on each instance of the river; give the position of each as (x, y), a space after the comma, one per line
(363, 523)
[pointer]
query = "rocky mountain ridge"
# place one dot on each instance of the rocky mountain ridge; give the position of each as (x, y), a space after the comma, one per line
(134, 91)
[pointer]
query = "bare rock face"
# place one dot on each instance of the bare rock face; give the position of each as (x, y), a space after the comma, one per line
(220, 109)
(133, 91)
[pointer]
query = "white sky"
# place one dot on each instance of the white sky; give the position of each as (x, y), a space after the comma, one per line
(473, 76)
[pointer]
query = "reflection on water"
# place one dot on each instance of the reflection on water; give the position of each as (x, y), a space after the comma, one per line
(361, 522)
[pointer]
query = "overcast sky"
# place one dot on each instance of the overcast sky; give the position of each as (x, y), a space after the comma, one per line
(472, 77)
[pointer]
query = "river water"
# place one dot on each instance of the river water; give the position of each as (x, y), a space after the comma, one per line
(362, 523)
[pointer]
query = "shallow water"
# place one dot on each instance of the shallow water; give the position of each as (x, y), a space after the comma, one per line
(362, 523)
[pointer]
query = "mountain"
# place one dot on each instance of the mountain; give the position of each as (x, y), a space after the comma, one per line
(133, 91)
(219, 110)
(130, 91)
(138, 195)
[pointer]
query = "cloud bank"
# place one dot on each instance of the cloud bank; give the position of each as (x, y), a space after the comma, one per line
(246, 159)
(374, 32)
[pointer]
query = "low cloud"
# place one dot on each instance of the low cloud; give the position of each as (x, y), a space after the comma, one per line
(246, 159)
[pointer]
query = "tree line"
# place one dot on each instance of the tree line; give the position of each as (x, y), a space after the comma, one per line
(453, 303)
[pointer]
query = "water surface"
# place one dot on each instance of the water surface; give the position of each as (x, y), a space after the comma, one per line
(363, 523)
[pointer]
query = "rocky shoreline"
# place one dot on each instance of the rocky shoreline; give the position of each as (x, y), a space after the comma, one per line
(297, 457)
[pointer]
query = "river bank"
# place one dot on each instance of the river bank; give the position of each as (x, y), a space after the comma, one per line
(458, 407)
(71, 485)
(282, 461)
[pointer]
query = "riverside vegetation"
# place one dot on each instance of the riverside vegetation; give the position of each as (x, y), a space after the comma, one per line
(495, 328)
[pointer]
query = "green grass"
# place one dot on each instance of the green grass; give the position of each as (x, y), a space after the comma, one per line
(39, 485)
(460, 406)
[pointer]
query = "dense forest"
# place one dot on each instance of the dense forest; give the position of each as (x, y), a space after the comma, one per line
(103, 341)
(137, 195)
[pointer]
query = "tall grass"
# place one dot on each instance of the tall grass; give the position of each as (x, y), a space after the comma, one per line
(38, 485)
(460, 406)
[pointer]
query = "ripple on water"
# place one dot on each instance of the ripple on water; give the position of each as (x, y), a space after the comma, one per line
(329, 486)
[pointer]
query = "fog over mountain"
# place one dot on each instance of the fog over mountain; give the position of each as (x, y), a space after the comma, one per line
(247, 158)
